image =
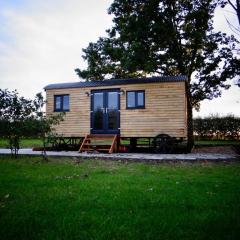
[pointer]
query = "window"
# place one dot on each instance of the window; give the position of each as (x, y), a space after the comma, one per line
(61, 103)
(135, 99)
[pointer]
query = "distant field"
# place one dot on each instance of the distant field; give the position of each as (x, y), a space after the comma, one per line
(25, 143)
(112, 200)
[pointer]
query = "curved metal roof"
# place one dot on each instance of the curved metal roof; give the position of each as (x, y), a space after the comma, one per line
(112, 82)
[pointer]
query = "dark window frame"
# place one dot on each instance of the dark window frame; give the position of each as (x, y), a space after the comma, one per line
(137, 106)
(61, 103)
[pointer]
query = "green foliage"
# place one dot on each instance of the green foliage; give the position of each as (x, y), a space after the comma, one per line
(15, 111)
(215, 127)
(111, 200)
(165, 37)
(20, 117)
(45, 123)
(235, 5)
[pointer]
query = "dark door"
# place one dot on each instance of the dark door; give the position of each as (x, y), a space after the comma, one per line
(105, 114)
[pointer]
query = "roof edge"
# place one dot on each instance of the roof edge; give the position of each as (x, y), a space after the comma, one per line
(112, 82)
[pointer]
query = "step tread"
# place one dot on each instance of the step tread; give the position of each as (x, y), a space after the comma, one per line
(99, 149)
(109, 139)
(94, 144)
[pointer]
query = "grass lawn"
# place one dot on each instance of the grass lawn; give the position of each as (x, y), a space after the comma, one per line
(112, 200)
(217, 142)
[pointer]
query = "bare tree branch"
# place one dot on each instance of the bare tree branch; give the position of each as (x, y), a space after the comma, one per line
(233, 28)
(234, 7)
(238, 10)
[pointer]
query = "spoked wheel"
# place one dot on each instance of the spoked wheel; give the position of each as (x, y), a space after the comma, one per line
(163, 143)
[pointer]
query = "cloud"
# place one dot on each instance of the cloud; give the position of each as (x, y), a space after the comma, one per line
(44, 41)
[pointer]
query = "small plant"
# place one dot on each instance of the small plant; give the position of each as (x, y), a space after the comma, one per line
(46, 123)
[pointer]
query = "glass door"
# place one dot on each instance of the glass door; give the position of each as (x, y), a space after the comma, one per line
(98, 110)
(112, 112)
(105, 114)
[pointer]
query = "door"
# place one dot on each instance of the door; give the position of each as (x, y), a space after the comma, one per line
(105, 111)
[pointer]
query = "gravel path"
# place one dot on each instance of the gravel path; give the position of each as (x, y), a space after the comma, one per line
(134, 156)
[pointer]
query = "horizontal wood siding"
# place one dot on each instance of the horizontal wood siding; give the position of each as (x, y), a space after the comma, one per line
(165, 111)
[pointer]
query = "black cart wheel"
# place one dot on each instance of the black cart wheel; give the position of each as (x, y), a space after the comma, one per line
(163, 143)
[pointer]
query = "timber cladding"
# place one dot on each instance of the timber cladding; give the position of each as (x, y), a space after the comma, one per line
(164, 112)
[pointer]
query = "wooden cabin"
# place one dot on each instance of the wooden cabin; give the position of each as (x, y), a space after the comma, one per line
(129, 108)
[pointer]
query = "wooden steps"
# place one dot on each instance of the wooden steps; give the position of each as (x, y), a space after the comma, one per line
(99, 142)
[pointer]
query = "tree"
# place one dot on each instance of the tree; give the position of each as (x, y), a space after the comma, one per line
(236, 7)
(20, 117)
(14, 112)
(165, 37)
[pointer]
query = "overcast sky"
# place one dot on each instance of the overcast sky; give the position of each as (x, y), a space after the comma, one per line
(41, 43)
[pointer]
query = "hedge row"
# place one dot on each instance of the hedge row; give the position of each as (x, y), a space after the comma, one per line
(215, 127)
